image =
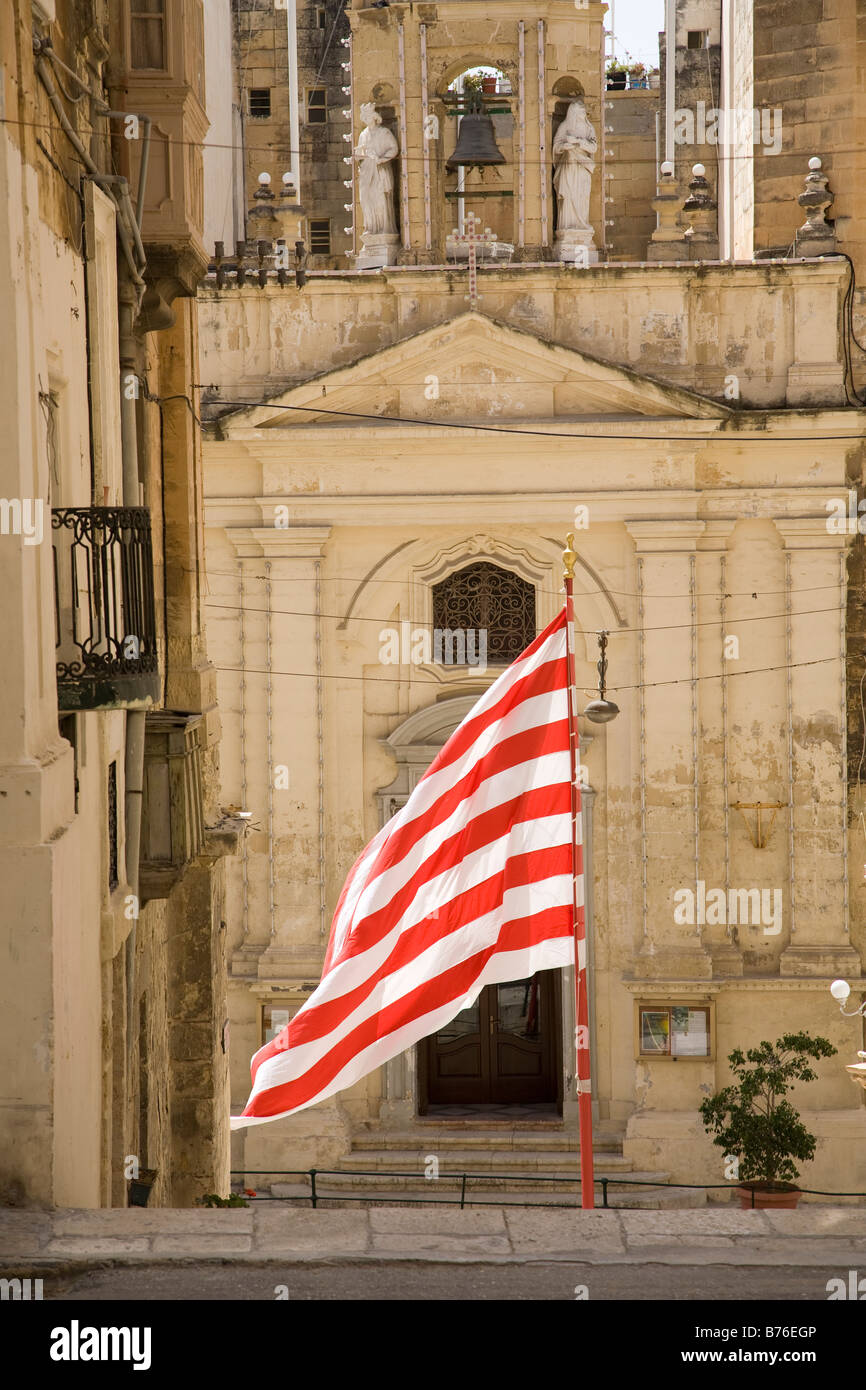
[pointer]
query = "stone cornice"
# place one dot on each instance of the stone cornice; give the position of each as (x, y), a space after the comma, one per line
(658, 989)
(275, 542)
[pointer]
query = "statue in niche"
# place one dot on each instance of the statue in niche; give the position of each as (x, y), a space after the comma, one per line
(375, 150)
(574, 149)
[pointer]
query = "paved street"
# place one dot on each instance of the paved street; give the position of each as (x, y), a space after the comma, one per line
(398, 1280)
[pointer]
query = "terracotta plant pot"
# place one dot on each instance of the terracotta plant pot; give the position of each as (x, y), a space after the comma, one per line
(488, 85)
(761, 1197)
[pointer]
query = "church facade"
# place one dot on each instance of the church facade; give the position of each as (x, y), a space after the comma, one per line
(395, 453)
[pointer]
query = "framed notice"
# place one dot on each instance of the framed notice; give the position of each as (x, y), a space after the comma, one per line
(674, 1030)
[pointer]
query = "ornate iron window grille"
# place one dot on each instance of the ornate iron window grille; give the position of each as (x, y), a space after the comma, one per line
(483, 597)
(104, 608)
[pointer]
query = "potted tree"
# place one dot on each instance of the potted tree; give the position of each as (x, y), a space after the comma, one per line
(752, 1120)
(616, 77)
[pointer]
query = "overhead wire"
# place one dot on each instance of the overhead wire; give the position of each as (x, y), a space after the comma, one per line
(619, 593)
(614, 632)
(618, 689)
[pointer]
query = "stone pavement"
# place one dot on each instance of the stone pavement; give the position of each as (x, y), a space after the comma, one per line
(44, 1241)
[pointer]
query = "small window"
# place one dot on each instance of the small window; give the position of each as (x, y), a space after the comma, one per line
(317, 106)
(674, 1030)
(275, 1017)
(320, 17)
(112, 826)
(147, 34)
(698, 38)
(260, 102)
(320, 236)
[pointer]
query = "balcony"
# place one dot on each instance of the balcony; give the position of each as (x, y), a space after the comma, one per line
(172, 824)
(104, 612)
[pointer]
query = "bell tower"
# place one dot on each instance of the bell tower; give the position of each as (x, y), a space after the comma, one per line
(489, 107)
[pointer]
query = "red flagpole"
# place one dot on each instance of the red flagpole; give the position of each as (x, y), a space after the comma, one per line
(581, 999)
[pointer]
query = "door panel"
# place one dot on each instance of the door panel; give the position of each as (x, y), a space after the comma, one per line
(458, 1058)
(504, 1049)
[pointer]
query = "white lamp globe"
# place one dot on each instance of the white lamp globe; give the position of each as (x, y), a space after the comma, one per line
(840, 989)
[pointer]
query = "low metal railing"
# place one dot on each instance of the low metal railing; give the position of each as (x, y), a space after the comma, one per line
(316, 1196)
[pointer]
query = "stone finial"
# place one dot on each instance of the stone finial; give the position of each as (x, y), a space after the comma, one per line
(666, 206)
(272, 218)
(261, 214)
(817, 236)
(699, 210)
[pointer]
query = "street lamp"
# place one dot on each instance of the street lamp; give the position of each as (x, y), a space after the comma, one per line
(602, 710)
(840, 990)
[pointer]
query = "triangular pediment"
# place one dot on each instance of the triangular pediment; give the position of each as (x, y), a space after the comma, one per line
(473, 369)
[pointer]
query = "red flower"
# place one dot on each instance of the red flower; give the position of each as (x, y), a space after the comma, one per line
(249, 1192)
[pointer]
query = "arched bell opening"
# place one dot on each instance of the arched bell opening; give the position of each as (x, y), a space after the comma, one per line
(478, 102)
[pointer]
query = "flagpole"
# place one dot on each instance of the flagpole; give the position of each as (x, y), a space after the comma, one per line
(581, 1000)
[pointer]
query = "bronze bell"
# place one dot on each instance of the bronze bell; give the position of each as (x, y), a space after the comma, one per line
(476, 143)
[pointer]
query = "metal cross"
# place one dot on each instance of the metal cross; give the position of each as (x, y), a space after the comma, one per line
(473, 238)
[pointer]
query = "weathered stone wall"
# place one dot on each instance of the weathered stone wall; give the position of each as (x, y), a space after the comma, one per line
(262, 61)
(688, 328)
(630, 117)
(809, 60)
(85, 1011)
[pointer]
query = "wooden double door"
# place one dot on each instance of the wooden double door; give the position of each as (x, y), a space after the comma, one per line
(504, 1049)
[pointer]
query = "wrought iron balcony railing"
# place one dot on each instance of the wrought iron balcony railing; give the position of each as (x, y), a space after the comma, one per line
(104, 608)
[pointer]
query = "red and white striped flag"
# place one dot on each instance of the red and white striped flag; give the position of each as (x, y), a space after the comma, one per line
(476, 880)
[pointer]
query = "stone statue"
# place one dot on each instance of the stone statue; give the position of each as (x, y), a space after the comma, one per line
(375, 150)
(574, 148)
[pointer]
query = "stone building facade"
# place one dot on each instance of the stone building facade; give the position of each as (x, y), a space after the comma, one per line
(112, 988)
(290, 79)
(413, 442)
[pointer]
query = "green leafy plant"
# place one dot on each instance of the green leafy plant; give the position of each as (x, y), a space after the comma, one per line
(614, 68)
(637, 69)
(213, 1199)
(752, 1120)
(471, 83)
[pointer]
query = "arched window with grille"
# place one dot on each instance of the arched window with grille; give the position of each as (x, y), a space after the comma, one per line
(482, 597)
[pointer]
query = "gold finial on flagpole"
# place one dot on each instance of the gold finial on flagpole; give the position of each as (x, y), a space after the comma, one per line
(569, 556)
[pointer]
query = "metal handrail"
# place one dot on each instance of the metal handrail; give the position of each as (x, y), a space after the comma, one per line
(315, 1195)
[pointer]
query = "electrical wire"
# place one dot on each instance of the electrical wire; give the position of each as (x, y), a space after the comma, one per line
(619, 593)
(288, 150)
(614, 632)
(611, 689)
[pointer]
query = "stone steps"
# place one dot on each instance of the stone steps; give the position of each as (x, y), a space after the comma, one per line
(508, 1162)
(440, 1139)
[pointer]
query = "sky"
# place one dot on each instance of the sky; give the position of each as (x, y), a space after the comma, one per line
(637, 24)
